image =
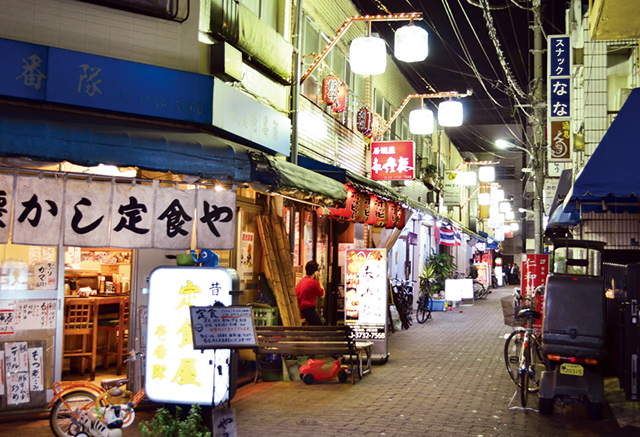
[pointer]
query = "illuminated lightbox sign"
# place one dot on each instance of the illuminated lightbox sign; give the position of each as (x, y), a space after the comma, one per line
(392, 160)
(175, 371)
(457, 289)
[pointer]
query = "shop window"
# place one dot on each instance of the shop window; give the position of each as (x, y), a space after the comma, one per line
(28, 267)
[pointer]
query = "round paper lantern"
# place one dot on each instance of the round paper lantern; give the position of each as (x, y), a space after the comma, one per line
(450, 113)
(330, 90)
(421, 122)
(364, 121)
(341, 102)
(368, 55)
(411, 44)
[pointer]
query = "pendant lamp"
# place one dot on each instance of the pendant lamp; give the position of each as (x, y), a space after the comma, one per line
(486, 174)
(411, 44)
(450, 113)
(368, 55)
(484, 199)
(421, 122)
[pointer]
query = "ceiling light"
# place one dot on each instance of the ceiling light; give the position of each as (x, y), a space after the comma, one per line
(421, 122)
(368, 55)
(486, 174)
(411, 44)
(450, 113)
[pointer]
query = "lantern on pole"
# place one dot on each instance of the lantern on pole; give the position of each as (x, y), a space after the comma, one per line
(421, 121)
(368, 55)
(411, 44)
(450, 113)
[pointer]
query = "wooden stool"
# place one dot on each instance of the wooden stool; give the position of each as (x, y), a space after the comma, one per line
(119, 327)
(80, 317)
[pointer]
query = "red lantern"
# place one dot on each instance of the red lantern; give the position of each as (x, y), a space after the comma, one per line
(378, 212)
(340, 103)
(402, 218)
(364, 121)
(330, 89)
(392, 216)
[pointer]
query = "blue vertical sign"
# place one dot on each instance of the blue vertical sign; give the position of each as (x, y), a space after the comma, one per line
(559, 98)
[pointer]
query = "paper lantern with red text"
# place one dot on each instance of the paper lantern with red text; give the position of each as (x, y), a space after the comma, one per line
(330, 89)
(378, 212)
(364, 121)
(341, 101)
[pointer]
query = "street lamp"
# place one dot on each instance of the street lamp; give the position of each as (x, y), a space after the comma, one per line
(503, 144)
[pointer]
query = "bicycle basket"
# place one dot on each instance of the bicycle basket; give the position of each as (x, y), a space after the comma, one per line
(508, 311)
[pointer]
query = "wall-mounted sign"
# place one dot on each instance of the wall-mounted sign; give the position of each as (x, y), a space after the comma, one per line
(392, 160)
(176, 372)
(452, 188)
(218, 327)
(559, 97)
(366, 295)
(236, 112)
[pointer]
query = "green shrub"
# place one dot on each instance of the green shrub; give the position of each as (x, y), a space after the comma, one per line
(164, 424)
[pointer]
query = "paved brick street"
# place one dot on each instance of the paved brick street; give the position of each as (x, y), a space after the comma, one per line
(443, 378)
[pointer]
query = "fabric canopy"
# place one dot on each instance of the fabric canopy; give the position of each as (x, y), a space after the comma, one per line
(611, 179)
(557, 214)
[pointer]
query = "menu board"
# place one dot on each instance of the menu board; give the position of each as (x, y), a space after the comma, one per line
(366, 286)
(28, 314)
(222, 327)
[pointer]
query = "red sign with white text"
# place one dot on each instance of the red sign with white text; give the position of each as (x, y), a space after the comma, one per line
(392, 160)
(535, 269)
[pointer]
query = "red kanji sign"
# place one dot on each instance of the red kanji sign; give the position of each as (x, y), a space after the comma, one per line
(392, 160)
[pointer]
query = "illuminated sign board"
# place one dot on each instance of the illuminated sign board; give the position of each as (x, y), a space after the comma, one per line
(366, 296)
(175, 371)
(392, 160)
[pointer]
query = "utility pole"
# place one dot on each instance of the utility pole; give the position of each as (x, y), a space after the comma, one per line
(538, 124)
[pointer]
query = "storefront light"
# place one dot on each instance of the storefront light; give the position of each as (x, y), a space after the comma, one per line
(421, 122)
(505, 207)
(368, 55)
(514, 227)
(411, 44)
(486, 174)
(509, 215)
(497, 195)
(450, 113)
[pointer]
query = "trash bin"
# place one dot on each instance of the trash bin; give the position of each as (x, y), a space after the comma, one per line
(271, 370)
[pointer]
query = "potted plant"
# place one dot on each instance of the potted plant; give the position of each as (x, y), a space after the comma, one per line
(164, 424)
(437, 268)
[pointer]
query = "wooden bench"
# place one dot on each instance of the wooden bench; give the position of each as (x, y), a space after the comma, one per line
(316, 341)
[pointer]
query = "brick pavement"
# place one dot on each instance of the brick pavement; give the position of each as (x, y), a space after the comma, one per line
(443, 378)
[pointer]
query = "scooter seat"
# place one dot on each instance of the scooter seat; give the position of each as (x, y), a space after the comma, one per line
(526, 313)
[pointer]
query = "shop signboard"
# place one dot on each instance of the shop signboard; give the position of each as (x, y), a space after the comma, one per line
(559, 97)
(392, 160)
(366, 294)
(484, 273)
(535, 269)
(245, 264)
(452, 188)
(176, 372)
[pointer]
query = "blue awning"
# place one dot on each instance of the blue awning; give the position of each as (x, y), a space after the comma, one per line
(557, 215)
(88, 141)
(611, 179)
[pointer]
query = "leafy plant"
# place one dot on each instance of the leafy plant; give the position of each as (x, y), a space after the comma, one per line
(437, 268)
(164, 424)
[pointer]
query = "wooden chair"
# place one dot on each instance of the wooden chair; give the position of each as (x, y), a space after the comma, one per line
(120, 328)
(80, 318)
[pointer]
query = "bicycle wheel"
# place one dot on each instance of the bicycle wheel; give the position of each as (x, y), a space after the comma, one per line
(512, 353)
(525, 376)
(61, 418)
(424, 308)
(479, 292)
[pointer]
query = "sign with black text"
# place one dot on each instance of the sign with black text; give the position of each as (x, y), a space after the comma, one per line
(222, 327)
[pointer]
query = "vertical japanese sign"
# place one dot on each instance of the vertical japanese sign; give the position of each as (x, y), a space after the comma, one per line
(38, 211)
(132, 215)
(392, 160)
(452, 188)
(36, 369)
(366, 296)
(6, 201)
(535, 269)
(245, 264)
(216, 225)
(17, 371)
(559, 89)
(176, 372)
(174, 218)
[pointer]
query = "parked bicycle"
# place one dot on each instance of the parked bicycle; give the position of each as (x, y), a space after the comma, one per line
(523, 353)
(83, 408)
(403, 293)
(423, 312)
(479, 291)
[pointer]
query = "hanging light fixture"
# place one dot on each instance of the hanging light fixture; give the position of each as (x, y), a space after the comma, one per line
(514, 226)
(505, 207)
(411, 44)
(484, 198)
(509, 215)
(497, 195)
(368, 54)
(450, 113)
(421, 121)
(486, 174)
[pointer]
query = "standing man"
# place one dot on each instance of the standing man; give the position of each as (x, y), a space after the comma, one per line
(306, 291)
(472, 270)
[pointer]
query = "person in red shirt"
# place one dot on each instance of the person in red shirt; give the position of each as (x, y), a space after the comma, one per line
(306, 291)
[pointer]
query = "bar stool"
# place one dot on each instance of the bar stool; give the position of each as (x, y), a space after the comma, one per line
(120, 328)
(80, 320)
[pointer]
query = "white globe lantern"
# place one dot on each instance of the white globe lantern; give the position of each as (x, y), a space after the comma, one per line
(421, 122)
(411, 44)
(368, 55)
(484, 199)
(486, 174)
(450, 113)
